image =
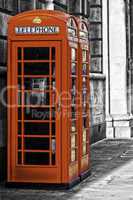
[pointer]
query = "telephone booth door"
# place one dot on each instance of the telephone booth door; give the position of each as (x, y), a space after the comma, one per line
(35, 112)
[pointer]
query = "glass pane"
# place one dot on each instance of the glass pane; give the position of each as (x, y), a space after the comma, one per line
(53, 69)
(53, 84)
(19, 128)
(36, 128)
(73, 68)
(19, 143)
(53, 159)
(73, 110)
(85, 123)
(26, 5)
(84, 55)
(36, 53)
(95, 2)
(96, 64)
(36, 68)
(95, 31)
(19, 53)
(53, 53)
(96, 47)
(36, 113)
(95, 14)
(19, 114)
(53, 145)
(19, 157)
(36, 84)
(73, 54)
(53, 114)
(53, 98)
(36, 158)
(84, 149)
(73, 141)
(53, 128)
(73, 155)
(84, 136)
(36, 143)
(4, 18)
(36, 98)
(11, 5)
(19, 68)
(19, 98)
(84, 69)
(73, 128)
(84, 83)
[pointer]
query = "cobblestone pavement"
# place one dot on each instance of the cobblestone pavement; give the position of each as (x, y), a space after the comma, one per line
(111, 177)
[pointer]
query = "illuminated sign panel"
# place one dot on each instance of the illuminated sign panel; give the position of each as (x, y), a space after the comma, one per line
(37, 30)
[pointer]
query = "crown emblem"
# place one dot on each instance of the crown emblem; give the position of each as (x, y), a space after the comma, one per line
(37, 20)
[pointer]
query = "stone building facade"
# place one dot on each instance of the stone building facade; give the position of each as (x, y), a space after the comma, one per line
(96, 13)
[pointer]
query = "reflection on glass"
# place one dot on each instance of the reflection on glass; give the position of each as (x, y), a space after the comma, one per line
(84, 83)
(73, 141)
(84, 149)
(84, 55)
(84, 136)
(73, 53)
(36, 113)
(36, 84)
(73, 155)
(73, 68)
(53, 84)
(53, 145)
(36, 98)
(73, 128)
(84, 69)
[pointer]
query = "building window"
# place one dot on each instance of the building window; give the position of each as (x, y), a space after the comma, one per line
(24, 5)
(96, 35)
(79, 7)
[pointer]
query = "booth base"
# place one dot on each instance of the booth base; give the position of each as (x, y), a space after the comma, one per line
(46, 186)
(61, 186)
(85, 174)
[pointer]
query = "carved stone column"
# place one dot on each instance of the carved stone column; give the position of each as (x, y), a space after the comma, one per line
(120, 120)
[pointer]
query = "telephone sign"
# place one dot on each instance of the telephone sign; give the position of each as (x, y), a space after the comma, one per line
(37, 30)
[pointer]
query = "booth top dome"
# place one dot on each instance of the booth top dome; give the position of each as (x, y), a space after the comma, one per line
(41, 13)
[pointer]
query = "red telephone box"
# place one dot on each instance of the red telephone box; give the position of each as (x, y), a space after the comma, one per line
(84, 132)
(45, 134)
